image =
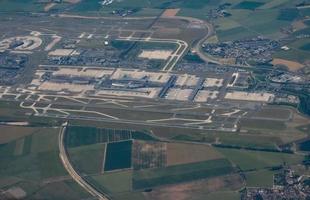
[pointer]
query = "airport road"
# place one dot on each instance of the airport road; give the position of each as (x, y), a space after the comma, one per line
(76, 177)
(198, 47)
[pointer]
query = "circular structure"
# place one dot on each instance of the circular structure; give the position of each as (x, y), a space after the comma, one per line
(21, 43)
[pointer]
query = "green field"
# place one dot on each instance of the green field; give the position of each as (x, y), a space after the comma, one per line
(20, 6)
(299, 49)
(249, 5)
(251, 140)
(268, 124)
(36, 163)
(288, 14)
(247, 160)
(305, 47)
(114, 182)
(118, 155)
(304, 146)
(86, 135)
(79, 136)
(180, 173)
(82, 156)
(39, 158)
(252, 18)
(261, 178)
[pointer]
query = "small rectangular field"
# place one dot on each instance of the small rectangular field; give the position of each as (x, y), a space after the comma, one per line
(170, 12)
(179, 153)
(118, 155)
(149, 154)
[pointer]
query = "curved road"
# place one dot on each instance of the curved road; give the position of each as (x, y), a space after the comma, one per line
(76, 177)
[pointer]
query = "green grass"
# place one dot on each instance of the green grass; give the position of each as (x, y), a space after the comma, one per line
(87, 159)
(249, 5)
(114, 182)
(33, 166)
(37, 161)
(245, 22)
(247, 159)
(268, 124)
(273, 4)
(226, 24)
(86, 135)
(292, 54)
(304, 146)
(288, 14)
(61, 190)
(261, 178)
(193, 58)
(118, 155)
(121, 45)
(235, 34)
(20, 6)
(297, 50)
(197, 4)
(251, 140)
(47, 140)
(305, 47)
(85, 6)
(180, 173)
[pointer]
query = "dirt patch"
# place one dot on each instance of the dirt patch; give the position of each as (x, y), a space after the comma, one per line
(292, 65)
(155, 54)
(178, 153)
(148, 155)
(170, 12)
(298, 119)
(298, 25)
(196, 189)
(10, 133)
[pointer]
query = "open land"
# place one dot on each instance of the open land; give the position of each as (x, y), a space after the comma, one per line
(152, 99)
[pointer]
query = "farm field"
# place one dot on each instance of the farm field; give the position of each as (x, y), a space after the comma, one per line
(154, 100)
(21, 5)
(222, 186)
(181, 173)
(31, 162)
(260, 178)
(178, 153)
(299, 51)
(82, 156)
(114, 182)
(118, 155)
(149, 154)
(247, 159)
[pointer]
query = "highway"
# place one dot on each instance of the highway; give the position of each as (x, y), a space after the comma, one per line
(67, 165)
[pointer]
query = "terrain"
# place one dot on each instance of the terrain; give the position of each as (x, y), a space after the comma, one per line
(145, 99)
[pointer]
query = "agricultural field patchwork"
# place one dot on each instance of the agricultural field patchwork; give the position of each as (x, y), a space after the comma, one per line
(154, 100)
